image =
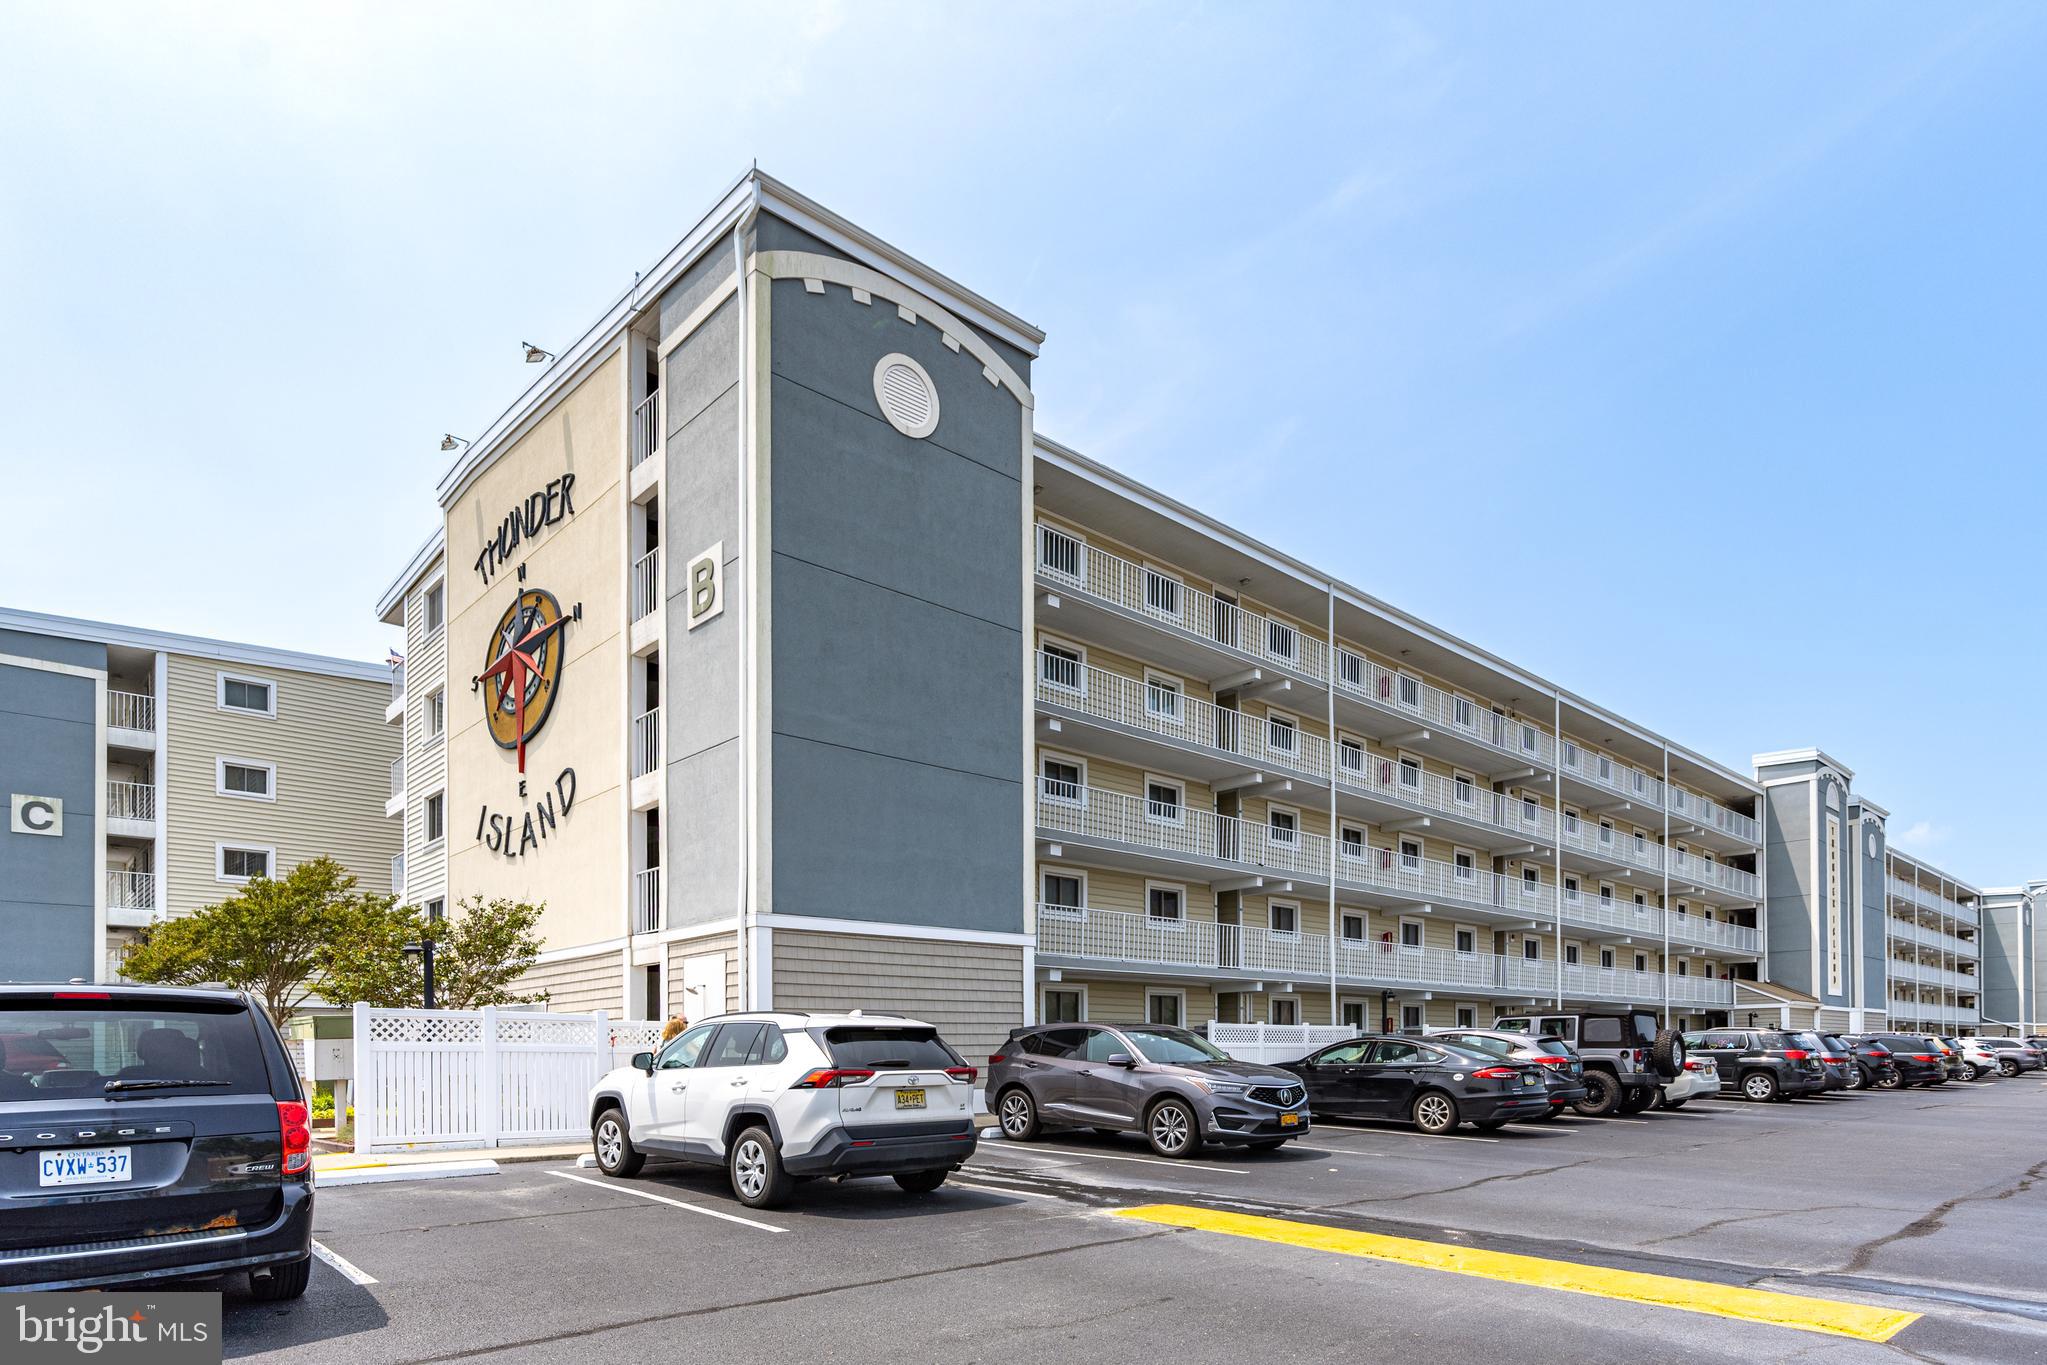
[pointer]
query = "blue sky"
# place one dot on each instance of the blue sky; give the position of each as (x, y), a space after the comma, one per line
(1691, 357)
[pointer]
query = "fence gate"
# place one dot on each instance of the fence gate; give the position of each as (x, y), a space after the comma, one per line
(482, 1078)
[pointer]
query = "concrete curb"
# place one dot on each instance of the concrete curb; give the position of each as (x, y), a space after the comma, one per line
(409, 1170)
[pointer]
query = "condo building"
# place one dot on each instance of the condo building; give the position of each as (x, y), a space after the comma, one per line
(151, 774)
(2013, 957)
(767, 644)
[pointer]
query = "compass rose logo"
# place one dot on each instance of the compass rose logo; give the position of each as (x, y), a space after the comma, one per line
(522, 672)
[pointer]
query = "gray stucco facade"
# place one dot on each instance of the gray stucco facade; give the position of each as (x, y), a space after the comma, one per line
(50, 747)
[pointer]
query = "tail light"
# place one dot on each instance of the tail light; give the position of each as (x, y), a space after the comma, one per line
(831, 1078)
(1494, 1073)
(1924, 1057)
(963, 1074)
(296, 1137)
(1546, 1060)
(1795, 1054)
(1693, 1066)
(997, 1058)
(81, 995)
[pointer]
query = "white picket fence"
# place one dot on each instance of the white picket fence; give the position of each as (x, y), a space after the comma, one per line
(1275, 1042)
(482, 1078)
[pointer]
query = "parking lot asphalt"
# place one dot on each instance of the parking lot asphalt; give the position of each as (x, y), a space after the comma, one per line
(1909, 1216)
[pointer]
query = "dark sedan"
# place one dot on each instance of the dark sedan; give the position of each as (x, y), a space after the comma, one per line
(1561, 1067)
(1430, 1084)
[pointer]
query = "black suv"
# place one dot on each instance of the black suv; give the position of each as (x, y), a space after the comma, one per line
(1762, 1064)
(1627, 1058)
(1914, 1057)
(148, 1134)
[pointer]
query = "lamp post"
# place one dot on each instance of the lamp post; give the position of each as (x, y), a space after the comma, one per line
(425, 949)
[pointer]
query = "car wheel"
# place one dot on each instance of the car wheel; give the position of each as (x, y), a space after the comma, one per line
(1172, 1128)
(1759, 1086)
(1856, 1080)
(756, 1170)
(1017, 1112)
(1637, 1098)
(1602, 1093)
(613, 1146)
(922, 1182)
(2008, 1068)
(282, 1282)
(1888, 1081)
(1667, 1054)
(1434, 1113)
(1969, 1071)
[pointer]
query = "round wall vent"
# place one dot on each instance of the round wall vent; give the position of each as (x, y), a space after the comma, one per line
(907, 396)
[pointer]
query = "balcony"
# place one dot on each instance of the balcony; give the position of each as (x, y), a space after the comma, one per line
(1120, 939)
(398, 874)
(394, 710)
(1903, 890)
(1712, 876)
(131, 899)
(131, 809)
(1129, 717)
(1710, 817)
(1132, 832)
(646, 602)
(1911, 931)
(1198, 633)
(1385, 703)
(647, 901)
(646, 760)
(131, 716)
(394, 805)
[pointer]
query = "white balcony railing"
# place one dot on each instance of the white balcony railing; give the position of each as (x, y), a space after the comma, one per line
(131, 890)
(1901, 889)
(647, 901)
(1171, 604)
(1177, 830)
(646, 584)
(131, 711)
(647, 742)
(1148, 940)
(1408, 784)
(398, 874)
(1432, 708)
(397, 777)
(1710, 814)
(1610, 844)
(131, 801)
(646, 427)
(1711, 873)
(1172, 716)
(398, 681)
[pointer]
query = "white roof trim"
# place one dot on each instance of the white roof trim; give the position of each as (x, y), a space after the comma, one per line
(425, 555)
(1803, 756)
(196, 646)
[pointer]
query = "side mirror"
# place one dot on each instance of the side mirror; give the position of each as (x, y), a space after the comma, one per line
(1122, 1059)
(644, 1061)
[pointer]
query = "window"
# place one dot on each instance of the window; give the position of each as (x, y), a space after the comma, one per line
(1684, 968)
(1467, 1016)
(1410, 690)
(1464, 789)
(685, 1048)
(245, 778)
(1410, 1018)
(1286, 1009)
(1571, 954)
(1464, 865)
(1060, 554)
(1353, 927)
(1641, 903)
(1061, 893)
(1353, 843)
(1531, 950)
(1606, 959)
(1281, 640)
(1531, 811)
(1529, 742)
(253, 695)
(1061, 780)
(1570, 822)
(1605, 769)
(1571, 890)
(1161, 593)
(1410, 933)
(1411, 773)
(1166, 903)
(436, 817)
(1410, 855)
(1353, 1012)
(435, 607)
(1163, 698)
(1351, 754)
(1163, 1007)
(436, 909)
(436, 715)
(1531, 881)
(1464, 713)
(1606, 833)
(1350, 669)
(1064, 1005)
(240, 862)
(1164, 801)
(734, 1043)
(1286, 919)
(1641, 962)
(1282, 734)
(1606, 895)
(1571, 753)
(1063, 667)
(1641, 844)
(1467, 940)
(1282, 826)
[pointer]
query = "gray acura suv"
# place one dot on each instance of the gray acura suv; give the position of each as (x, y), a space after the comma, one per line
(1175, 1087)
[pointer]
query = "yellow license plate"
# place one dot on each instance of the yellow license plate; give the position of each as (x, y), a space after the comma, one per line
(909, 1099)
(1289, 1120)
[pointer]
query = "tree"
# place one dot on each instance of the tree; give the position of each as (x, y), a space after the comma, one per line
(280, 939)
(481, 950)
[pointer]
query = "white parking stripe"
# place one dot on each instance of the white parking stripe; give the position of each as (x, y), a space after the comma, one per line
(1036, 1150)
(352, 1273)
(1327, 1133)
(1000, 1189)
(664, 1199)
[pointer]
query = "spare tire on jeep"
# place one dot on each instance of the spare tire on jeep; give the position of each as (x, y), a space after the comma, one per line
(1667, 1054)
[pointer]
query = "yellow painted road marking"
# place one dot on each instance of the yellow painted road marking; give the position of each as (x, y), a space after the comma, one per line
(1796, 1311)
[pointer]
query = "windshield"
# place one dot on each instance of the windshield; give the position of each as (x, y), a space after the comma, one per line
(1173, 1045)
(886, 1049)
(1555, 1047)
(97, 1048)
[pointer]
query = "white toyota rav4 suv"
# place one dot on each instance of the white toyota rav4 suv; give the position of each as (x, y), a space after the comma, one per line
(777, 1097)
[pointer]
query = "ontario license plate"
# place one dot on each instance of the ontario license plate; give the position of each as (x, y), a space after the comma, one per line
(1289, 1120)
(84, 1166)
(909, 1099)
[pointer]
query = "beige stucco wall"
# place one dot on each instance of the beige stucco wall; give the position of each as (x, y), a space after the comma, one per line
(332, 749)
(578, 872)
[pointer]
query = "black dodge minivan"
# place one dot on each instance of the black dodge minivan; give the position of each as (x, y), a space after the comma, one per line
(149, 1133)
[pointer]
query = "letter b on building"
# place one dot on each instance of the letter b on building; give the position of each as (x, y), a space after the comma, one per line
(707, 585)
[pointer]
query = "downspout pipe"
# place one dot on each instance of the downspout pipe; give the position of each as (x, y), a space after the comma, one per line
(744, 911)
